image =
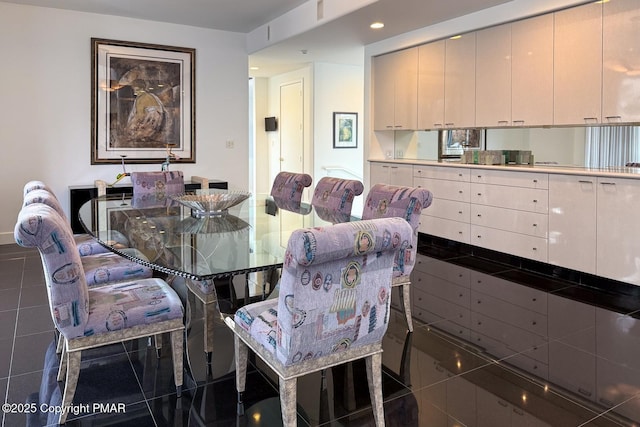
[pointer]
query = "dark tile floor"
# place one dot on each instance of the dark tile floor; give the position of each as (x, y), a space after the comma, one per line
(430, 379)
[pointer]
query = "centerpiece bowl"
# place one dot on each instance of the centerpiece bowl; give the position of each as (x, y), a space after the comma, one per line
(212, 203)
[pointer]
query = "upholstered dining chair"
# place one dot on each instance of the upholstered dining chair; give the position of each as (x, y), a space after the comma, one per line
(87, 244)
(287, 188)
(405, 202)
(99, 316)
(336, 194)
(153, 188)
(333, 307)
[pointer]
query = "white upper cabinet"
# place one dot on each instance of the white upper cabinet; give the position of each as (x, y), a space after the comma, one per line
(431, 85)
(493, 76)
(460, 81)
(532, 71)
(621, 61)
(395, 90)
(577, 78)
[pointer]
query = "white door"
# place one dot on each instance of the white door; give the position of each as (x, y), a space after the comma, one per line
(291, 148)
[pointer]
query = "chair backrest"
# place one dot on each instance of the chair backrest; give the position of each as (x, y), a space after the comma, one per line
(335, 287)
(385, 201)
(41, 195)
(335, 194)
(36, 185)
(288, 187)
(153, 188)
(40, 226)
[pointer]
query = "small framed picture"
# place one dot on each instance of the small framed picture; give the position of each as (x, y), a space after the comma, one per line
(345, 130)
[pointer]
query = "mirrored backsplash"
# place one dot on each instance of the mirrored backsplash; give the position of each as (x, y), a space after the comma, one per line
(561, 146)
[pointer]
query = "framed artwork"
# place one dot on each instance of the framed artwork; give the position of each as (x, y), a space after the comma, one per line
(142, 103)
(345, 130)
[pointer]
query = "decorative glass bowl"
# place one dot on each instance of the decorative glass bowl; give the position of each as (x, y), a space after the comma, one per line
(212, 225)
(213, 203)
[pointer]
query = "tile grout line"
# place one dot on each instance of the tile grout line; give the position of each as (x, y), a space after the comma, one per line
(13, 343)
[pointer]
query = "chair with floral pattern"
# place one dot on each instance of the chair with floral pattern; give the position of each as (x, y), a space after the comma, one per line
(287, 188)
(333, 198)
(333, 307)
(98, 316)
(385, 201)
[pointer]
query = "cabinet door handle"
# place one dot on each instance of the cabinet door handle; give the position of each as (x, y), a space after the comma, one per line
(479, 236)
(535, 181)
(535, 249)
(437, 125)
(460, 175)
(591, 120)
(583, 181)
(503, 404)
(503, 122)
(449, 125)
(460, 212)
(460, 191)
(535, 200)
(479, 215)
(479, 194)
(479, 176)
(534, 323)
(608, 183)
(535, 225)
(518, 122)
(612, 118)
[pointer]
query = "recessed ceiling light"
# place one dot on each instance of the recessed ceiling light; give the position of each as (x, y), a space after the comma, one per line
(377, 25)
(456, 37)
(254, 68)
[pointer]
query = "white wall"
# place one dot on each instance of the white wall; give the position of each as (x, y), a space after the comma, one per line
(45, 123)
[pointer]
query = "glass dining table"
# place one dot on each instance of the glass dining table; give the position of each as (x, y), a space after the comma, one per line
(172, 239)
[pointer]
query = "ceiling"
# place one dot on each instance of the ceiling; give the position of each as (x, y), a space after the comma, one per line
(338, 41)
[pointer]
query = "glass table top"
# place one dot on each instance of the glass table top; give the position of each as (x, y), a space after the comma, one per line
(169, 237)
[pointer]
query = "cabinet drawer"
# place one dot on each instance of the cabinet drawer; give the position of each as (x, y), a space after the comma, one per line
(448, 229)
(449, 209)
(512, 243)
(514, 339)
(524, 199)
(509, 313)
(443, 189)
(444, 270)
(435, 321)
(439, 172)
(441, 288)
(530, 223)
(523, 296)
(511, 179)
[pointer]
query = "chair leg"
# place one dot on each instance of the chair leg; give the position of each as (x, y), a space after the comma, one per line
(60, 344)
(177, 347)
(73, 370)
(288, 402)
(158, 342)
(406, 304)
(374, 378)
(241, 356)
(62, 369)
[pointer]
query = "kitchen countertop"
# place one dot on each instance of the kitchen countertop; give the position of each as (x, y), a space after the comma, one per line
(611, 172)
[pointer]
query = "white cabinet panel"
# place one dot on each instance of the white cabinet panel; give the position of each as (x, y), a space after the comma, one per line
(493, 76)
(572, 222)
(530, 223)
(448, 291)
(460, 81)
(391, 173)
(532, 71)
(577, 57)
(441, 172)
(618, 245)
(511, 179)
(445, 189)
(621, 61)
(431, 85)
(524, 199)
(395, 86)
(449, 209)
(445, 228)
(445, 310)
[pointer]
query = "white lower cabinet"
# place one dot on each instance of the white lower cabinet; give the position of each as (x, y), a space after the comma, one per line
(512, 243)
(618, 228)
(572, 222)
